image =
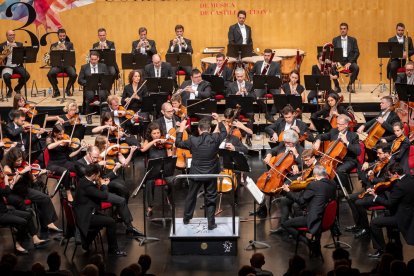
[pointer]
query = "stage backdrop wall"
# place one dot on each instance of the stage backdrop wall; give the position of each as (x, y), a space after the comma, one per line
(275, 23)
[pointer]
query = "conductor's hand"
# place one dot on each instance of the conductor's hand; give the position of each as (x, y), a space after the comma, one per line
(365, 166)
(183, 125)
(230, 146)
(215, 116)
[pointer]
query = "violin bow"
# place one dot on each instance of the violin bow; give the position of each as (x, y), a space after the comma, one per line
(136, 92)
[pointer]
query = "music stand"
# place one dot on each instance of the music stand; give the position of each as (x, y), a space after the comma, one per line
(246, 103)
(98, 82)
(106, 56)
(266, 82)
(153, 103)
(405, 93)
(178, 60)
(164, 166)
(24, 55)
(317, 83)
(239, 51)
(280, 101)
(132, 61)
(200, 110)
(217, 83)
(388, 50)
(62, 59)
(79, 131)
(160, 85)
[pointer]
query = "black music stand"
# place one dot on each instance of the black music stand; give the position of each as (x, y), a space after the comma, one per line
(23, 55)
(280, 101)
(133, 61)
(337, 54)
(106, 56)
(246, 103)
(62, 59)
(79, 131)
(98, 82)
(152, 103)
(321, 125)
(266, 82)
(217, 83)
(388, 50)
(317, 83)
(405, 93)
(200, 110)
(161, 168)
(239, 51)
(160, 85)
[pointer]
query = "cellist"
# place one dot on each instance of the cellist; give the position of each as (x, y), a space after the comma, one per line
(350, 140)
(332, 108)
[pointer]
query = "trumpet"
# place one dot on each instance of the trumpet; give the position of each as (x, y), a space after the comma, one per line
(59, 47)
(144, 43)
(101, 46)
(180, 41)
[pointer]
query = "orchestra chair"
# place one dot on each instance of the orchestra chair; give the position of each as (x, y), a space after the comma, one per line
(2, 185)
(411, 160)
(375, 210)
(179, 73)
(63, 75)
(328, 221)
(361, 159)
(72, 227)
(13, 77)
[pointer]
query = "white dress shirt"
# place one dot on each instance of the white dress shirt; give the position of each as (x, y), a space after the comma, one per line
(10, 56)
(400, 39)
(243, 32)
(194, 95)
(344, 44)
(94, 68)
(168, 124)
(157, 72)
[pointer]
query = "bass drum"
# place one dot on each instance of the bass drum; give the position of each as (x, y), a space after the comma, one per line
(290, 59)
(207, 61)
(251, 61)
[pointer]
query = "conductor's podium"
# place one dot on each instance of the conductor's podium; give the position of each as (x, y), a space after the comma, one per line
(195, 238)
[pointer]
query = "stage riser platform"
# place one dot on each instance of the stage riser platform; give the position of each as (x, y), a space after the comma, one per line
(203, 246)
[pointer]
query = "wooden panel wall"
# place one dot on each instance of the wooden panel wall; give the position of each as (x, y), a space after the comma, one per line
(302, 24)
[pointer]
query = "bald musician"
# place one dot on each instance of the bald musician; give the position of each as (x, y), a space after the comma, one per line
(158, 68)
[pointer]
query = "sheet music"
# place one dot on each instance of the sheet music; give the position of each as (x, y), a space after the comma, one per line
(254, 190)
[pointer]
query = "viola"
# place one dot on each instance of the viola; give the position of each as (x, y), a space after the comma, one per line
(299, 185)
(335, 153)
(397, 144)
(224, 184)
(7, 143)
(181, 111)
(378, 166)
(122, 148)
(167, 144)
(31, 110)
(381, 186)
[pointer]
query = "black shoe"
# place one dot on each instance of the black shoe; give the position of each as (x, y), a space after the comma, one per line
(41, 244)
(89, 119)
(56, 94)
(361, 234)
(261, 212)
(20, 252)
(118, 253)
(249, 141)
(186, 221)
(9, 94)
(68, 93)
(279, 231)
(337, 90)
(350, 88)
(56, 230)
(212, 226)
(376, 255)
(148, 213)
(134, 231)
(352, 228)
(17, 91)
(269, 118)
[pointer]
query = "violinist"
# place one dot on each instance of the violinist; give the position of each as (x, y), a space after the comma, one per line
(217, 69)
(117, 183)
(61, 154)
(370, 175)
(196, 88)
(21, 189)
(154, 147)
(400, 146)
(350, 140)
(293, 87)
(331, 108)
(19, 103)
(237, 128)
(179, 109)
(400, 202)
(167, 121)
(72, 115)
(288, 121)
(131, 94)
(92, 156)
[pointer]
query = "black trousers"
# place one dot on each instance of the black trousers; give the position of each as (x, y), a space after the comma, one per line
(359, 209)
(21, 220)
(52, 76)
(250, 123)
(16, 70)
(121, 206)
(285, 205)
(377, 235)
(47, 212)
(343, 171)
(118, 187)
(293, 223)
(393, 66)
(89, 98)
(210, 197)
(97, 222)
(59, 166)
(354, 68)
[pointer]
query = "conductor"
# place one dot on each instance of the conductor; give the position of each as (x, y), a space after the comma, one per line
(204, 149)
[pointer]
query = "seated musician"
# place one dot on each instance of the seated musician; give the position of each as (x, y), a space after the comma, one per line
(92, 97)
(289, 143)
(331, 108)
(400, 203)
(238, 130)
(120, 119)
(395, 63)
(60, 156)
(23, 187)
(315, 197)
(316, 71)
(154, 146)
(110, 129)
(8, 68)
(131, 95)
(19, 131)
(408, 76)
(217, 69)
(240, 33)
(259, 68)
(71, 115)
(288, 121)
(22, 221)
(179, 109)
(370, 174)
(62, 44)
(158, 69)
(293, 87)
(243, 88)
(103, 43)
(92, 190)
(92, 156)
(143, 45)
(117, 184)
(167, 121)
(180, 44)
(196, 88)
(400, 146)
(350, 140)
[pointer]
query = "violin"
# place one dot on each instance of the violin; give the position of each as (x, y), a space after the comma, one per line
(167, 144)
(397, 144)
(65, 137)
(128, 113)
(380, 186)
(31, 110)
(35, 128)
(117, 131)
(181, 111)
(378, 166)
(7, 143)
(109, 163)
(75, 120)
(122, 148)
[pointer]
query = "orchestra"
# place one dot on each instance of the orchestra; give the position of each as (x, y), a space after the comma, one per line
(304, 166)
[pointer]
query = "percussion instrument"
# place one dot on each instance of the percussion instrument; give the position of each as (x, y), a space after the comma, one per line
(251, 61)
(289, 59)
(207, 61)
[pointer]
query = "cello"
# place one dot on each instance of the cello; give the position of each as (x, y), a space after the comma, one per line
(374, 133)
(335, 153)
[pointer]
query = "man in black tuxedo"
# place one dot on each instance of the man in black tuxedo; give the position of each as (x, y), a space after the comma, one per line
(103, 43)
(259, 68)
(158, 68)
(196, 88)
(93, 67)
(62, 44)
(167, 121)
(215, 69)
(180, 44)
(143, 45)
(121, 204)
(395, 63)
(351, 141)
(350, 54)
(240, 33)
(9, 68)
(87, 207)
(408, 76)
(204, 149)
(400, 202)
